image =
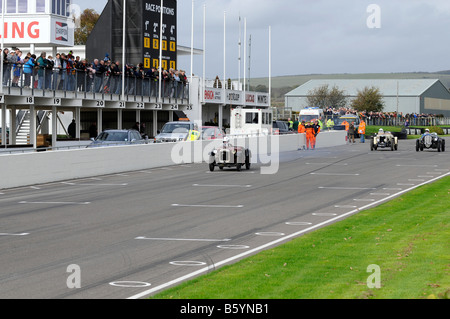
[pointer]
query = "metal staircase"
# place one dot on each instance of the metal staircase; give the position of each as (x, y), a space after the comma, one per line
(23, 130)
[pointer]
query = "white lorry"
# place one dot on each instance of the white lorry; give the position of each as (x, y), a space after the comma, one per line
(251, 122)
(310, 113)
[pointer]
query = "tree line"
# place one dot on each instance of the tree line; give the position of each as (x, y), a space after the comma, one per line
(368, 99)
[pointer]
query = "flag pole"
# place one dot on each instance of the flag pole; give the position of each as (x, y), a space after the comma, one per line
(160, 48)
(124, 48)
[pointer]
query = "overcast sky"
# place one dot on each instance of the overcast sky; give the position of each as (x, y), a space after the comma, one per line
(317, 36)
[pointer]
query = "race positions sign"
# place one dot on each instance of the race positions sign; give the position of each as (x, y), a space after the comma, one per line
(151, 35)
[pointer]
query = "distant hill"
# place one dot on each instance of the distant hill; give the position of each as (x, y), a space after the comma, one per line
(284, 84)
(297, 80)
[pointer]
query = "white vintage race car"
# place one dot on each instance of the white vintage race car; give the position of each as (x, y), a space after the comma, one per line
(384, 140)
(228, 155)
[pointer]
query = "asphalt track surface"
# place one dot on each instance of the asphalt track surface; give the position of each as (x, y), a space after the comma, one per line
(134, 234)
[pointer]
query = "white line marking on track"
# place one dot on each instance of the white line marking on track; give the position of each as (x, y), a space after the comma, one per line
(345, 206)
(273, 243)
(233, 186)
(380, 194)
(6, 234)
(270, 234)
(392, 189)
(298, 223)
(130, 284)
(83, 184)
(364, 200)
(208, 206)
(324, 214)
(183, 239)
(401, 165)
(233, 247)
(346, 188)
(342, 164)
(416, 180)
(187, 263)
(56, 203)
(334, 174)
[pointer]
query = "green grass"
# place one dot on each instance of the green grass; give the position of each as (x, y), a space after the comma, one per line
(408, 238)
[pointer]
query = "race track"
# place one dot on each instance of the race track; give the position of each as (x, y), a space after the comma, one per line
(130, 235)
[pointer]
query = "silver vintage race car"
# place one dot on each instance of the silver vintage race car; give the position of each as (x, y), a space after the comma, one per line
(430, 141)
(384, 140)
(228, 155)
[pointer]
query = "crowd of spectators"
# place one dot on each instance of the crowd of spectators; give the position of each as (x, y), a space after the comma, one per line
(382, 118)
(71, 73)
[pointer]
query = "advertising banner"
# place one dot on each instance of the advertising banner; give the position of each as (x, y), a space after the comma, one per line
(151, 34)
(40, 30)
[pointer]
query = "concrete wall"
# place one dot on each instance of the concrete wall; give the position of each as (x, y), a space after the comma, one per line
(17, 170)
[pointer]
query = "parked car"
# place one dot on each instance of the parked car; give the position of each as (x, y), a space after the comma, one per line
(211, 133)
(384, 140)
(281, 127)
(228, 155)
(173, 132)
(117, 138)
(430, 141)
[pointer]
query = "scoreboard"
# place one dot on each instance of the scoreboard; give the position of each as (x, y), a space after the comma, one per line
(151, 27)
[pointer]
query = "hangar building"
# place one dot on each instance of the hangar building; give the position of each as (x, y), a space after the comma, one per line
(427, 96)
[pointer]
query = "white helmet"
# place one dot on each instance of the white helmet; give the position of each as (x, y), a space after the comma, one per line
(427, 131)
(381, 131)
(226, 140)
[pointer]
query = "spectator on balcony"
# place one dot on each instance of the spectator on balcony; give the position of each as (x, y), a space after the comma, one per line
(116, 78)
(49, 73)
(42, 65)
(28, 67)
(99, 67)
(17, 69)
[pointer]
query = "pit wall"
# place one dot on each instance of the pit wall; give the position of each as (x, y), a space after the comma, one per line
(27, 169)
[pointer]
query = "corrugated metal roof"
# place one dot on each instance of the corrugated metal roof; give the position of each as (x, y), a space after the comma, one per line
(408, 87)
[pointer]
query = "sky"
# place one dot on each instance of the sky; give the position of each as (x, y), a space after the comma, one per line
(315, 36)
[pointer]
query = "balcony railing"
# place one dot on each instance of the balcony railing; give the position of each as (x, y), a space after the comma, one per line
(40, 81)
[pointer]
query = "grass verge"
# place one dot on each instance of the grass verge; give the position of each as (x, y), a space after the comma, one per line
(408, 238)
